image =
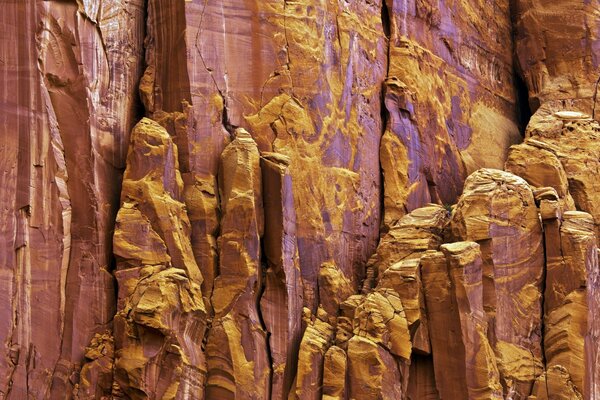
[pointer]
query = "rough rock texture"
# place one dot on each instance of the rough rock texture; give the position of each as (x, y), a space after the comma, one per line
(68, 85)
(498, 211)
(281, 302)
(557, 46)
(566, 151)
(246, 199)
(299, 60)
(237, 352)
(450, 99)
(161, 316)
(571, 295)
(465, 269)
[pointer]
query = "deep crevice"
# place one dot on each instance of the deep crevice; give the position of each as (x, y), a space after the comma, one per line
(523, 107)
(227, 125)
(543, 308)
(595, 98)
(263, 265)
(386, 24)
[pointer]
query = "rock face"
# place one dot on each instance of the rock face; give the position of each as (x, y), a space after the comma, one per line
(338, 200)
(513, 267)
(449, 96)
(237, 351)
(558, 56)
(161, 316)
(68, 101)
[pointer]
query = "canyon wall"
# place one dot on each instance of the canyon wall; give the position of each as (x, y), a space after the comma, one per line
(246, 199)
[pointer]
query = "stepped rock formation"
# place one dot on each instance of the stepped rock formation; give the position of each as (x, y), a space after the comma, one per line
(349, 200)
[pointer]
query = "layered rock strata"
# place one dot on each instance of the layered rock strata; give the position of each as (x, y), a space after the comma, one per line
(281, 301)
(498, 211)
(557, 46)
(237, 350)
(564, 183)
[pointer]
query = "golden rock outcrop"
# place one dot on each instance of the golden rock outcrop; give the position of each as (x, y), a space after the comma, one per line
(161, 316)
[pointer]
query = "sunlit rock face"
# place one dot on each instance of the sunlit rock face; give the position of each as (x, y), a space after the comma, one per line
(450, 99)
(336, 200)
(557, 47)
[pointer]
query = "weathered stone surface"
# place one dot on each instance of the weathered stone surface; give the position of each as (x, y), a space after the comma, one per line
(285, 142)
(447, 345)
(562, 142)
(557, 46)
(465, 268)
(422, 381)
(413, 234)
(450, 72)
(68, 83)
(373, 371)
(334, 374)
(161, 316)
(334, 288)
(299, 59)
(281, 301)
(313, 347)
(404, 277)
(237, 350)
(570, 322)
(157, 329)
(498, 211)
(96, 377)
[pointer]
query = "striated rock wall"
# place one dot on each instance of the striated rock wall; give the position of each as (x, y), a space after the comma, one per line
(68, 101)
(247, 199)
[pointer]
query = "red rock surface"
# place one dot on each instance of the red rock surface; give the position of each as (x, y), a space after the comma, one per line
(299, 199)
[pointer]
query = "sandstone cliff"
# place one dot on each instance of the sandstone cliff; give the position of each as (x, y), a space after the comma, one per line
(243, 199)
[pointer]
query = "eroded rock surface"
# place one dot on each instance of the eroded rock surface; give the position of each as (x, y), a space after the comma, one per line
(556, 54)
(161, 316)
(450, 72)
(498, 211)
(303, 212)
(68, 100)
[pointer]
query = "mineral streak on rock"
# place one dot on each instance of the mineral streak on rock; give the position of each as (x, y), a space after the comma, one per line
(96, 376)
(558, 55)
(237, 349)
(445, 330)
(570, 322)
(334, 374)
(408, 238)
(301, 59)
(379, 352)
(465, 269)
(318, 102)
(67, 104)
(566, 148)
(405, 278)
(315, 342)
(449, 72)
